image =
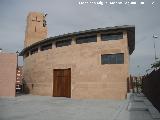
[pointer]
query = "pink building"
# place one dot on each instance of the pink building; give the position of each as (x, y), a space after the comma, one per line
(8, 65)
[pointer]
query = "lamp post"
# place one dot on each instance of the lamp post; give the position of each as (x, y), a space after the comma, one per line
(17, 58)
(0, 50)
(155, 37)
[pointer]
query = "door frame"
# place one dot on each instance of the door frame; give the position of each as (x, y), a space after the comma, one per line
(68, 95)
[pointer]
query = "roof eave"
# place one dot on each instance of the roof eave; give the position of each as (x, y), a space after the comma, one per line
(129, 28)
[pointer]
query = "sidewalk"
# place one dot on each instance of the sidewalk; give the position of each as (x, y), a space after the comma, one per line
(139, 103)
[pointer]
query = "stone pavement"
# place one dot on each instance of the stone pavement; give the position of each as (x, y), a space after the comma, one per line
(138, 102)
(28, 107)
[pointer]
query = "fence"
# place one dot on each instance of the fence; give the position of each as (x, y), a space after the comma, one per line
(151, 87)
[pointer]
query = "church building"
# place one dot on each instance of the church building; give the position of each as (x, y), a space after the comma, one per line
(89, 64)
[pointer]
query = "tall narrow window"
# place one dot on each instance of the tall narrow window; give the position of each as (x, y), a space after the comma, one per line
(86, 39)
(46, 47)
(63, 43)
(35, 29)
(33, 51)
(112, 58)
(112, 36)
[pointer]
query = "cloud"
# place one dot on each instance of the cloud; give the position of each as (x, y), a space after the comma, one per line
(68, 16)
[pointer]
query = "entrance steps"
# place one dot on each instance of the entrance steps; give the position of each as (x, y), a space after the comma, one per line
(138, 102)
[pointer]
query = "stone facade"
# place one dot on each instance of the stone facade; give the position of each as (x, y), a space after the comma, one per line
(8, 65)
(89, 78)
(35, 29)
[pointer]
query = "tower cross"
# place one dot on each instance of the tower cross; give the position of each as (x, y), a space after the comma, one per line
(36, 20)
(35, 30)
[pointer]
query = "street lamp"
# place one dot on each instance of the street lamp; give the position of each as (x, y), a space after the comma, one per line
(155, 37)
(17, 58)
(0, 49)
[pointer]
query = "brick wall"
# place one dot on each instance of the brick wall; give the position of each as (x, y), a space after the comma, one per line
(89, 78)
(8, 64)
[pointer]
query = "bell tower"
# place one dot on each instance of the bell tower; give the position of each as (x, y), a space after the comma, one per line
(36, 29)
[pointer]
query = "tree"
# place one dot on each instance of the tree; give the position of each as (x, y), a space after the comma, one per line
(156, 65)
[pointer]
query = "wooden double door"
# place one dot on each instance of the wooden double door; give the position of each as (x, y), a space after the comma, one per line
(62, 82)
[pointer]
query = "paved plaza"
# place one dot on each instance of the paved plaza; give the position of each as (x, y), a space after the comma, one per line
(28, 107)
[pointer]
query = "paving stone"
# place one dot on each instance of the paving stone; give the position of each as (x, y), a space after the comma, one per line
(129, 96)
(137, 106)
(139, 99)
(154, 112)
(147, 102)
(30, 107)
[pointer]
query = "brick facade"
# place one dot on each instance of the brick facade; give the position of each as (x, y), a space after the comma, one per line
(35, 30)
(8, 64)
(89, 78)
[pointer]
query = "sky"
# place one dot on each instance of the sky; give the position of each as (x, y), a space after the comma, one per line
(66, 16)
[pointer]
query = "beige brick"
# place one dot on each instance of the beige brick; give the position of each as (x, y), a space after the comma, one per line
(8, 64)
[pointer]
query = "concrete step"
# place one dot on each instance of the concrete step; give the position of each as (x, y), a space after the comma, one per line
(138, 102)
(140, 95)
(137, 106)
(147, 102)
(154, 112)
(139, 99)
